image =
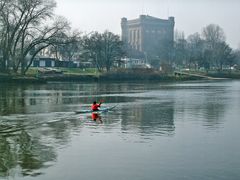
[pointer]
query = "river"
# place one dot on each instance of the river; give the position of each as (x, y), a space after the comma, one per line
(185, 130)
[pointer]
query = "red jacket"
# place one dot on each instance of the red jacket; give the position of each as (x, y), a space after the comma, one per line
(95, 107)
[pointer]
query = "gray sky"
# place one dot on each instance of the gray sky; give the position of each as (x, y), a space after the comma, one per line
(190, 15)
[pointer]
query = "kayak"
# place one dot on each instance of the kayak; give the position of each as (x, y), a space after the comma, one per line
(91, 111)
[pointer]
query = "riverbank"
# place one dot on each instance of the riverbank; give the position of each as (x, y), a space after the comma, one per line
(119, 76)
(107, 77)
(5, 78)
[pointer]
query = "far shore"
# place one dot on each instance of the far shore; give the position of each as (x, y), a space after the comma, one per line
(90, 78)
(111, 77)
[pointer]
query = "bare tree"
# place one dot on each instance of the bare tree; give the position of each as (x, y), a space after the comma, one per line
(195, 49)
(28, 27)
(112, 48)
(180, 48)
(3, 37)
(104, 49)
(225, 55)
(49, 35)
(92, 47)
(213, 36)
(237, 58)
(70, 47)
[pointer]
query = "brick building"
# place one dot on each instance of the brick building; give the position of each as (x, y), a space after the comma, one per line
(147, 34)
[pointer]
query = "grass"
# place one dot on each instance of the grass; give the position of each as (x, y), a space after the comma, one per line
(67, 71)
(78, 71)
(31, 72)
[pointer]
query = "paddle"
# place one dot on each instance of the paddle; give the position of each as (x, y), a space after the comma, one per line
(101, 101)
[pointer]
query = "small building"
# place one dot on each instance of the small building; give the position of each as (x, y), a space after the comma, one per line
(44, 62)
(134, 63)
(52, 62)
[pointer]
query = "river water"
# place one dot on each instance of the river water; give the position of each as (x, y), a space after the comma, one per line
(186, 130)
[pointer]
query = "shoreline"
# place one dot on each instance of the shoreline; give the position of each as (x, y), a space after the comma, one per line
(113, 77)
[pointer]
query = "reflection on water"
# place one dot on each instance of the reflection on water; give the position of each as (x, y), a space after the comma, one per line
(19, 150)
(37, 122)
(149, 118)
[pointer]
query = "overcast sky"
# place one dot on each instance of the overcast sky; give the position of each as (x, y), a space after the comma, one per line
(190, 15)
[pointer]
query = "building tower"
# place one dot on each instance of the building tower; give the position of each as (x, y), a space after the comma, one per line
(148, 34)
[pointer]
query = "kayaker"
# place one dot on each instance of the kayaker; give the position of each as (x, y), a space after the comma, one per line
(95, 106)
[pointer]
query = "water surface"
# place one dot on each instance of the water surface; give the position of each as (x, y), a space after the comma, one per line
(187, 130)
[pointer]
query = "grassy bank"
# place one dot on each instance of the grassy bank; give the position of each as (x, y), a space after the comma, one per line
(6, 78)
(67, 71)
(91, 75)
(120, 75)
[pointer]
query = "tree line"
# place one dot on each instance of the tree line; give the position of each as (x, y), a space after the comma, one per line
(30, 27)
(207, 50)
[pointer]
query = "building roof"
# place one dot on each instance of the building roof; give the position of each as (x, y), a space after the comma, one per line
(146, 19)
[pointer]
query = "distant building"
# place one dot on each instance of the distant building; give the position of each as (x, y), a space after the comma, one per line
(148, 34)
(134, 63)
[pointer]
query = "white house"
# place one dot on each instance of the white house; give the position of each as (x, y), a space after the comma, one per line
(135, 63)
